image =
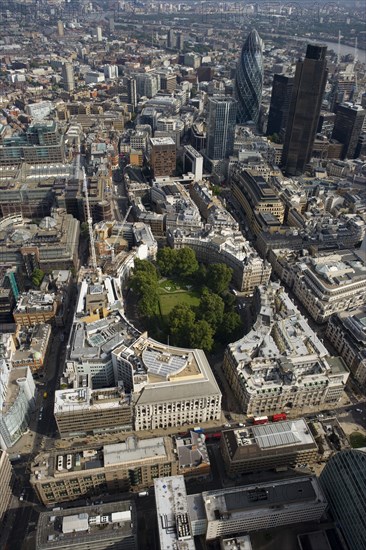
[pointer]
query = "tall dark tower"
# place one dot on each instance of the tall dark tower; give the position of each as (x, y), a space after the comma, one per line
(309, 84)
(348, 127)
(280, 103)
(249, 79)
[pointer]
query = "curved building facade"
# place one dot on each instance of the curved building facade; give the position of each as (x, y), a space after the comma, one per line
(249, 79)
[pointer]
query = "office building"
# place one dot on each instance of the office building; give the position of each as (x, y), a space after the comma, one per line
(347, 129)
(147, 84)
(99, 34)
(111, 72)
(268, 446)
(94, 527)
(168, 82)
(84, 411)
(60, 29)
(306, 101)
(193, 162)
(263, 506)
(163, 156)
(68, 77)
(281, 364)
(347, 332)
(83, 471)
(32, 347)
(6, 483)
(41, 143)
(132, 92)
(256, 197)
(173, 514)
(52, 243)
(330, 283)
(192, 454)
(280, 103)
(344, 483)
(35, 307)
(249, 79)
(221, 127)
(17, 402)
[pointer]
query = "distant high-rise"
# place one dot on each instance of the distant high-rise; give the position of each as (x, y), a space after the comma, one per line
(280, 103)
(221, 120)
(306, 101)
(131, 92)
(68, 76)
(60, 28)
(249, 79)
(171, 39)
(348, 127)
(344, 483)
(99, 34)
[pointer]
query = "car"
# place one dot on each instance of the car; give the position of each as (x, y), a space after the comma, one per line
(227, 425)
(358, 410)
(241, 425)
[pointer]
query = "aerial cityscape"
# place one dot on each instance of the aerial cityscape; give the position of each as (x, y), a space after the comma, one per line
(182, 275)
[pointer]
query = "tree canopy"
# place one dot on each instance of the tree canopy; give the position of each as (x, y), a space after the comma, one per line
(37, 277)
(218, 277)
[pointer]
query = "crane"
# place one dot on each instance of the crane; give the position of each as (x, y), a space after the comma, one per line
(120, 231)
(90, 224)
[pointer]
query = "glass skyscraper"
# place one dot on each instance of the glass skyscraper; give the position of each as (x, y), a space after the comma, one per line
(249, 79)
(344, 483)
(306, 101)
(221, 127)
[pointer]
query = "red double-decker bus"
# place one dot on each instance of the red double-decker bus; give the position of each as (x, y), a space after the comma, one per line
(260, 420)
(278, 417)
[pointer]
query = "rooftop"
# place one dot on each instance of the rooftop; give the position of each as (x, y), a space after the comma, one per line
(88, 523)
(248, 500)
(172, 510)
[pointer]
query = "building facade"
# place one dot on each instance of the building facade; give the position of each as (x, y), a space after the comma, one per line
(348, 126)
(281, 364)
(6, 483)
(268, 446)
(95, 527)
(344, 483)
(221, 127)
(306, 100)
(88, 471)
(280, 103)
(347, 332)
(263, 506)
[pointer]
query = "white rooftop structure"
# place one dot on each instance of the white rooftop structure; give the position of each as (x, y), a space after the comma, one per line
(172, 511)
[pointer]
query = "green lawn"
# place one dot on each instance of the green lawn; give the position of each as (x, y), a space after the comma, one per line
(172, 293)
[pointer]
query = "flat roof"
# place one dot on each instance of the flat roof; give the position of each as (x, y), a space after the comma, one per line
(134, 449)
(281, 434)
(249, 499)
(113, 520)
(172, 511)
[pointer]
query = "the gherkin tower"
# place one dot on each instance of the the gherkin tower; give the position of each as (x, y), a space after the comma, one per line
(249, 79)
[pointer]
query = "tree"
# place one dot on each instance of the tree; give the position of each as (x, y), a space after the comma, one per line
(182, 324)
(202, 336)
(230, 328)
(218, 277)
(144, 266)
(229, 300)
(37, 277)
(211, 309)
(142, 282)
(166, 260)
(186, 263)
(149, 303)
